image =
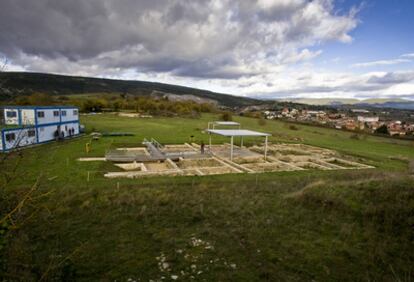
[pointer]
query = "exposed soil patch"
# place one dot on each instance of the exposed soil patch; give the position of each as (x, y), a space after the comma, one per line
(198, 163)
(157, 166)
(131, 166)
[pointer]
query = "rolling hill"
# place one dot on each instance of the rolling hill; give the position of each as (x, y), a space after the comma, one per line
(24, 83)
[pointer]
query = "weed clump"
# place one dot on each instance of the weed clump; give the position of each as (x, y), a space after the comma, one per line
(411, 166)
(227, 116)
(355, 137)
(293, 127)
(261, 122)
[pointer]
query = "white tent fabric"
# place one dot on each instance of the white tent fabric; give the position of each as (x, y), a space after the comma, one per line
(238, 133)
(226, 123)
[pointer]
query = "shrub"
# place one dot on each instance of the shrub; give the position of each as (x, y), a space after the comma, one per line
(227, 116)
(382, 129)
(293, 127)
(354, 136)
(261, 121)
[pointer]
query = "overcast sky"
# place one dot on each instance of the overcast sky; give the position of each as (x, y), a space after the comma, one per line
(262, 48)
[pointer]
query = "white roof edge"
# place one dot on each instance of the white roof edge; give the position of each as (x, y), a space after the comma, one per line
(237, 132)
(226, 122)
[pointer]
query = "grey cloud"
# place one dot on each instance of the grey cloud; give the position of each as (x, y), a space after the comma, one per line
(328, 89)
(195, 38)
(188, 11)
(281, 11)
(393, 78)
(206, 71)
(363, 88)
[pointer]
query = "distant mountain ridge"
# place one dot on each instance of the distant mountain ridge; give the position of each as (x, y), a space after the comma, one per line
(26, 83)
(395, 103)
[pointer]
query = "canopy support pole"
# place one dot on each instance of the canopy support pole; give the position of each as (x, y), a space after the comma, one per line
(231, 149)
(265, 151)
(241, 142)
(209, 141)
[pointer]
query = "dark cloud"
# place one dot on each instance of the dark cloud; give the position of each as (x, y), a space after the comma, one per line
(242, 44)
(196, 38)
(280, 10)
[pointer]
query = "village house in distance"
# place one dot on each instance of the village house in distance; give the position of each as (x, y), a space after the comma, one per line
(29, 125)
(354, 120)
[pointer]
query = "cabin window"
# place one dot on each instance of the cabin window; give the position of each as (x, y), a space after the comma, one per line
(11, 114)
(55, 113)
(75, 112)
(10, 137)
(66, 128)
(41, 129)
(40, 114)
(63, 113)
(31, 133)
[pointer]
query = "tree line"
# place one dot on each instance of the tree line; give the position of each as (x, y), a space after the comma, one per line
(117, 102)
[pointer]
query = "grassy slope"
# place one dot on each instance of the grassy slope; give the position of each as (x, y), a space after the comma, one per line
(347, 225)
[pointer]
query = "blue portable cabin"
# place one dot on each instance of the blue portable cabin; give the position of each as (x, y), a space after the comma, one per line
(29, 125)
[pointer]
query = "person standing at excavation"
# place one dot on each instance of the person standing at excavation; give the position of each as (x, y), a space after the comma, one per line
(202, 147)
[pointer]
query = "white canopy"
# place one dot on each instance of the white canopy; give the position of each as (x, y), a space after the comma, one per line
(212, 124)
(226, 123)
(238, 133)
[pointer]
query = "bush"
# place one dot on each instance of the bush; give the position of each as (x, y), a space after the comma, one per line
(354, 136)
(382, 130)
(293, 127)
(227, 116)
(261, 121)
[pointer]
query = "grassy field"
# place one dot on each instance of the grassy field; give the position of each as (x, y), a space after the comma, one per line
(289, 226)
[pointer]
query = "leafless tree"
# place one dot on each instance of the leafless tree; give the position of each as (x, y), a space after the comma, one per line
(3, 67)
(4, 64)
(19, 206)
(9, 167)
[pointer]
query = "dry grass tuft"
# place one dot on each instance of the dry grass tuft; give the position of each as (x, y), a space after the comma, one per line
(301, 193)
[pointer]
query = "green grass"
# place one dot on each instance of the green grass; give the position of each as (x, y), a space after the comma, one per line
(293, 226)
(376, 150)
